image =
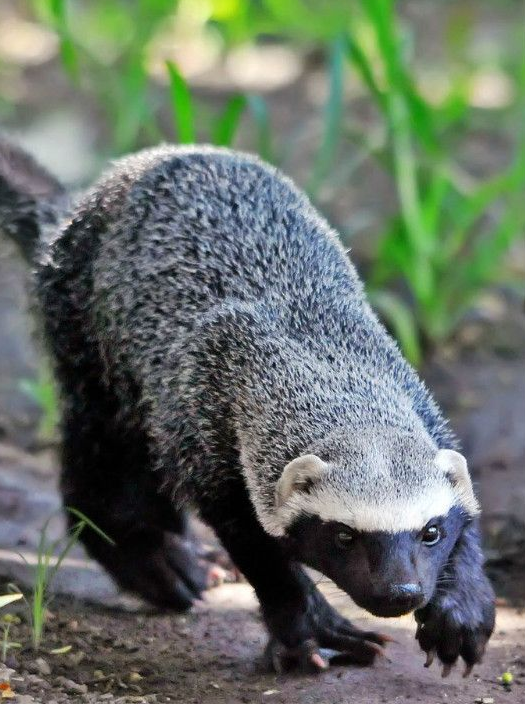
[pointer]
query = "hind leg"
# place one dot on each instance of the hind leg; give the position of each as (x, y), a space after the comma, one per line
(107, 476)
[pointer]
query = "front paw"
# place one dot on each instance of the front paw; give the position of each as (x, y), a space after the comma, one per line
(297, 640)
(457, 625)
(307, 655)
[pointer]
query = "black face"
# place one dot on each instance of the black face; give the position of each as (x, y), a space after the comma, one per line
(388, 574)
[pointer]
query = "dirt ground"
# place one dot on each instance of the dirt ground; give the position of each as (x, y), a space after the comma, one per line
(213, 655)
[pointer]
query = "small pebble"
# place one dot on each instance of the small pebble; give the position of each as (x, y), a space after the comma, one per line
(72, 687)
(76, 658)
(42, 666)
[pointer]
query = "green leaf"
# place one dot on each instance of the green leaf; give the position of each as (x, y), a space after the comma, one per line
(61, 651)
(58, 10)
(181, 105)
(401, 319)
(433, 203)
(471, 208)
(68, 51)
(69, 56)
(227, 124)
(259, 112)
(364, 67)
(132, 107)
(333, 114)
(84, 519)
(43, 392)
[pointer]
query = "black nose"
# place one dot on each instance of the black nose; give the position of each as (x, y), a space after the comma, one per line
(395, 598)
(407, 596)
(406, 591)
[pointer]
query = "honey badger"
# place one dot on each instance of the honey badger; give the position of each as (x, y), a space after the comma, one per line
(214, 349)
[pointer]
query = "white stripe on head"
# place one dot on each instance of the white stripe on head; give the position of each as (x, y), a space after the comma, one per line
(390, 516)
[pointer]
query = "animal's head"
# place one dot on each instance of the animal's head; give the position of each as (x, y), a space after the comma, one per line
(379, 515)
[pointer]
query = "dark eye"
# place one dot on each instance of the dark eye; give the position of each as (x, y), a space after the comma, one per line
(431, 535)
(344, 538)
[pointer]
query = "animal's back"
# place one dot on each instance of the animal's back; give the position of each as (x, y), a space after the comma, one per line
(172, 232)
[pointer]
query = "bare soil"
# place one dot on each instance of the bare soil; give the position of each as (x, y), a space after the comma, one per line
(213, 655)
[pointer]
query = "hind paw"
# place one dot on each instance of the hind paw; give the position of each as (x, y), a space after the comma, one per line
(167, 569)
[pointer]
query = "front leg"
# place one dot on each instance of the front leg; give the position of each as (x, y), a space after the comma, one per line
(459, 619)
(301, 627)
(299, 619)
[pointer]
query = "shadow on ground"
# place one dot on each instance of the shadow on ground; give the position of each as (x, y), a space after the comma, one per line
(213, 656)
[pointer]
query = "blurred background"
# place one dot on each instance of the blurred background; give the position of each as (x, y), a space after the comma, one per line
(405, 123)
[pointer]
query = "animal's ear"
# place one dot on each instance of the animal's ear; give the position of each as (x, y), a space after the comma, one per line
(454, 465)
(298, 475)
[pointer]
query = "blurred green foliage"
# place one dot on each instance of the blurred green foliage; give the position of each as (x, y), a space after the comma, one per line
(451, 234)
(43, 392)
(443, 243)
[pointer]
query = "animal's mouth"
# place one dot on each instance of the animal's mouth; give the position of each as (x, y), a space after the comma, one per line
(389, 610)
(386, 607)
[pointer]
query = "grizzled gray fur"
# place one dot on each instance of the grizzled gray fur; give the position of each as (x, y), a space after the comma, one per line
(214, 347)
(215, 275)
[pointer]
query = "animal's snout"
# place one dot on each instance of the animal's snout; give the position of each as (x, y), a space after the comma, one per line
(408, 595)
(395, 598)
(405, 590)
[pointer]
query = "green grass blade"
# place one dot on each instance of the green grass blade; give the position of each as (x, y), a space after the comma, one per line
(227, 123)
(181, 105)
(401, 319)
(488, 251)
(260, 115)
(42, 391)
(131, 110)
(363, 66)
(381, 17)
(433, 204)
(406, 172)
(68, 50)
(84, 519)
(69, 56)
(473, 207)
(333, 114)
(71, 542)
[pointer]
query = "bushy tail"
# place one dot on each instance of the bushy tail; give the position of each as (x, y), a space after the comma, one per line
(31, 200)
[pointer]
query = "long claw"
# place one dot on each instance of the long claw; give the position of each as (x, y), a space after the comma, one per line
(274, 657)
(447, 669)
(318, 662)
(430, 658)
